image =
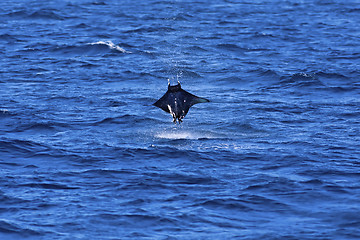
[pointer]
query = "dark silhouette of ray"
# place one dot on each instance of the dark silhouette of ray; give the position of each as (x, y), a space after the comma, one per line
(177, 102)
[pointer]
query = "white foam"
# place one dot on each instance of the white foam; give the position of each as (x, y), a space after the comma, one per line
(3, 110)
(111, 45)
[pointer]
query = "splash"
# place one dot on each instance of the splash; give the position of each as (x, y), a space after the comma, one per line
(177, 135)
(111, 45)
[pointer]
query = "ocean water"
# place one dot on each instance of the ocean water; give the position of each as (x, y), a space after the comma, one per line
(85, 155)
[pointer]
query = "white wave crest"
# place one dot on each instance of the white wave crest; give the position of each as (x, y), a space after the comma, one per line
(4, 111)
(111, 45)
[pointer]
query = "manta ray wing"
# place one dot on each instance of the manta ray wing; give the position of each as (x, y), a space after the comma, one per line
(189, 100)
(194, 99)
(163, 102)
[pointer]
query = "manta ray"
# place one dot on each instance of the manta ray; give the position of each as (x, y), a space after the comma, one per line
(177, 102)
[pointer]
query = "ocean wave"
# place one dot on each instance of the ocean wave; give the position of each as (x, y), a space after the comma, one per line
(110, 45)
(196, 49)
(108, 172)
(301, 80)
(40, 126)
(81, 26)
(352, 10)
(150, 30)
(5, 112)
(224, 203)
(236, 127)
(52, 186)
(9, 227)
(13, 201)
(184, 73)
(116, 103)
(259, 35)
(35, 126)
(95, 48)
(232, 80)
(263, 72)
(124, 119)
(140, 219)
(331, 75)
(164, 151)
(182, 179)
(112, 120)
(17, 13)
(8, 38)
(98, 3)
(16, 146)
(44, 14)
(302, 76)
(230, 47)
(334, 82)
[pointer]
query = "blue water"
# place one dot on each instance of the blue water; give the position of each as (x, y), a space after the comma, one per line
(85, 155)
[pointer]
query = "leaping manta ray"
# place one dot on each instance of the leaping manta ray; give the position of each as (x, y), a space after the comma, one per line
(177, 102)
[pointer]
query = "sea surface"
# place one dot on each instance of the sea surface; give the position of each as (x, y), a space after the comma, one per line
(275, 154)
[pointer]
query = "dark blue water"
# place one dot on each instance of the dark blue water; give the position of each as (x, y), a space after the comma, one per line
(85, 155)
